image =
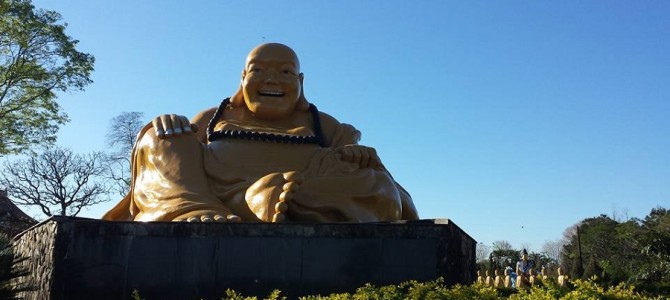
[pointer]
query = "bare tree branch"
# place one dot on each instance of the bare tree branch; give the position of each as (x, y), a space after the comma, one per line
(121, 137)
(56, 181)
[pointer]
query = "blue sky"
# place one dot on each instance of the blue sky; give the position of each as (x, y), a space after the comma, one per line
(514, 119)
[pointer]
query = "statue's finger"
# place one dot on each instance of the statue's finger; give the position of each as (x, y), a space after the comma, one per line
(296, 177)
(176, 124)
(374, 158)
(290, 187)
(194, 127)
(278, 217)
(356, 155)
(233, 219)
(185, 123)
(365, 158)
(219, 218)
(192, 219)
(347, 154)
(285, 196)
(206, 218)
(281, 207)
(167, 125)
(158, 127)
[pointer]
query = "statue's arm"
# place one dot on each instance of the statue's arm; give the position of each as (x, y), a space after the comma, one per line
(345, 138)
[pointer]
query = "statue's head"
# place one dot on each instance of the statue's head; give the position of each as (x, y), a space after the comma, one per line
(524, 255)
(271, 86)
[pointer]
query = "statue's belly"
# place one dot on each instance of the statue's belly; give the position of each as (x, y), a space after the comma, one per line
(256, 158)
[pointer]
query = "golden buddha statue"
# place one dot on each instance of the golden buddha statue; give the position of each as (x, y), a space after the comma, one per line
(488, 281)
(508, 278)
(265, 154)
(533, 279)
(562, 279)
(498, 282)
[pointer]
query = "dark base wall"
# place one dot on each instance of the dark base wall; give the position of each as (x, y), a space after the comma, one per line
(74, 258)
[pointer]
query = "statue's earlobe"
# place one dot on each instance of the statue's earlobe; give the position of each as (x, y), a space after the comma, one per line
(303, 104)
(237, 99)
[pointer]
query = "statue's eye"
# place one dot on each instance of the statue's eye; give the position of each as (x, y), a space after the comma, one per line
(289, 72)
(256, 70)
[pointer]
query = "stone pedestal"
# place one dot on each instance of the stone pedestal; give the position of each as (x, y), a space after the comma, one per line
(75, 258)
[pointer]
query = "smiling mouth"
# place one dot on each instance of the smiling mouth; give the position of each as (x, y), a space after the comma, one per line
(271, 93)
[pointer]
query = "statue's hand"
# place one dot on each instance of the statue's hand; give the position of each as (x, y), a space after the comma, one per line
(172, 125)
(207, 215)
(365, 157)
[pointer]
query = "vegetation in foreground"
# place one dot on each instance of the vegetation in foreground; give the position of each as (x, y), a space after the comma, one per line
(578, 289)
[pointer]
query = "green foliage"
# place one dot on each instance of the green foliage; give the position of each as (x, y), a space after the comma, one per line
(632, 252)
(37, 59)
(136, 295)
(433, 290)
(233, 295)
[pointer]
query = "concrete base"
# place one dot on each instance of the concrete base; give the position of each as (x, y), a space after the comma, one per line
(74, 258)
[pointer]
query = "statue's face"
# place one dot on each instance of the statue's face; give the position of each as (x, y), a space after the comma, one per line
(271, 81)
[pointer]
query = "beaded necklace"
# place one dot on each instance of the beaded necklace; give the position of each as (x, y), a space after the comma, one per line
(213, 135)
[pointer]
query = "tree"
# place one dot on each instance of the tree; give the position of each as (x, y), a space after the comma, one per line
(482, 252)
(503, 255)
(635, 251)
(482, 258)
(121, 138)
(502, 245)
(37, 59)
(57, 181)
(553, 250)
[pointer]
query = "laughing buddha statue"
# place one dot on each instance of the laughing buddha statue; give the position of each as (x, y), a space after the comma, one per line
(263, 155)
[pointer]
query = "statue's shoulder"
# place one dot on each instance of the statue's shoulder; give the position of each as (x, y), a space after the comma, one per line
(201, 120)
(328, 120)
(338, 134)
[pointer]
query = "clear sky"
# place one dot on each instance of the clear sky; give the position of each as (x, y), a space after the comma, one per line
(514, 119)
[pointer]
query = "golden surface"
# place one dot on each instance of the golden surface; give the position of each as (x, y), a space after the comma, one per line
(177, 175)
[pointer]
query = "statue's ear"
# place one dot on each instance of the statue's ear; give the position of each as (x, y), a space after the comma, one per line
(302, 104)
(237, 99)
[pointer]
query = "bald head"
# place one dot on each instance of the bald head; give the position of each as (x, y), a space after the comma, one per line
(273, 52)
(271, 82)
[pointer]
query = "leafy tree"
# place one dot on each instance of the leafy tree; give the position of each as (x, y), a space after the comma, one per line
(121, 138)
(655, 246)
(57, 181)
(635, 251)
(37, 59)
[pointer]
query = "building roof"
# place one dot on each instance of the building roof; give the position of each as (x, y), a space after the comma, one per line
(12, 219)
